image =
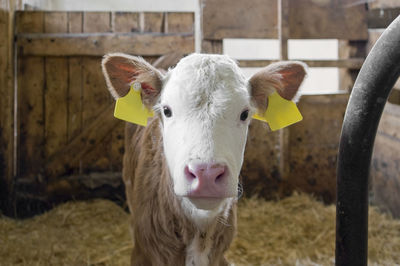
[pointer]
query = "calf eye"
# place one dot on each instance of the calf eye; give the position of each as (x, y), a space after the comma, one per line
(167, 111)
(244, 115)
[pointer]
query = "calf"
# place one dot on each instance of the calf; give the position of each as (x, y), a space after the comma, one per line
(181, 171)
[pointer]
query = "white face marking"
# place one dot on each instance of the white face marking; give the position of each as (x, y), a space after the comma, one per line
(205, 96)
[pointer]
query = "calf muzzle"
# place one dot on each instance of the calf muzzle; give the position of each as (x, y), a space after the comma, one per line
(207, 180)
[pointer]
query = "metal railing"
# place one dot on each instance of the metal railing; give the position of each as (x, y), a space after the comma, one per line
(367, 100)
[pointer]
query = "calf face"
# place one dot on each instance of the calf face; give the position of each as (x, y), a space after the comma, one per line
(205, 104)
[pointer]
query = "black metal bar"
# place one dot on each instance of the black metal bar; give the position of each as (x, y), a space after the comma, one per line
(368, 98)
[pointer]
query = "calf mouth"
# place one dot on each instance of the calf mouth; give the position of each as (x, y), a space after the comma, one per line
(206, 203)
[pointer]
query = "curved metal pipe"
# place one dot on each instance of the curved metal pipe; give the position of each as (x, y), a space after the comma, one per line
(367, 100)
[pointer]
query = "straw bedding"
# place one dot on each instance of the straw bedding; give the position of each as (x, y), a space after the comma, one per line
(294, 231)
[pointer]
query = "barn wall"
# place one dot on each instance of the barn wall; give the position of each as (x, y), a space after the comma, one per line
(69, 143)
(301, 157)
(307, 19)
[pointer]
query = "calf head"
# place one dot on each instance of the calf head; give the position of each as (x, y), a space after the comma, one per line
(205, 104)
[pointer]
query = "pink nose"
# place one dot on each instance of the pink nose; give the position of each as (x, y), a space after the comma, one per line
(207, 180)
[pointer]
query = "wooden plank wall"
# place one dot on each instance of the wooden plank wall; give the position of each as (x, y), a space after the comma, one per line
(313, 145)
(66, 128)
(301, 157)
(307, 19)
(331, 19)
(65, 113)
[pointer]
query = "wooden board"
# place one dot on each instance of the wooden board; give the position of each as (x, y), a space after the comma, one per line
(260, 173)
(56, 104)
(31, 81)
(7, 90)
(95, 96)
(394, 96)
(239, 19)
(31, 117)
(381, 18)
(377, 4)
(95, 99)
(373, 36)
(180, 23)
(308, 19)
(126, 22)
(327, 19)
(55, 22)
(351, 51)
(31, 22)
(75, 97)
(92, 136)
(6, 105)
(211, 46)
(56, 89)
(97, 22)
(154, 22)
(75, 22)
(350, 63)
(313, 145)
(101, 44)
(75, 78)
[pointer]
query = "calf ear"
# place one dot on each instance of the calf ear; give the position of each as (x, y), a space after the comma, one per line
(122, 70)
(283, 77)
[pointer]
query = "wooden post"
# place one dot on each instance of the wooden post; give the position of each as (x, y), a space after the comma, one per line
(212, 46)
(283, 35)
(7, 144)
(208, 46)
(283, 28)
(348, 50)
(7, 9)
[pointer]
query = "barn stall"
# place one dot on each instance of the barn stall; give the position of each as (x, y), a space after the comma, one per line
(60, 142)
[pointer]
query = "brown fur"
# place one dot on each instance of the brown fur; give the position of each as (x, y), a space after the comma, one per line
(161, 231)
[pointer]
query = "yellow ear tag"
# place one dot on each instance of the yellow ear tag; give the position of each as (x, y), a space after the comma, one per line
(131, 108)
(280, 112)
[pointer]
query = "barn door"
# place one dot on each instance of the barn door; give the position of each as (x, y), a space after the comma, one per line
(69, 143)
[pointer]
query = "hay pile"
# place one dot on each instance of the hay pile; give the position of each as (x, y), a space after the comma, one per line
(76, 233)
(301, 231)
(295, 231)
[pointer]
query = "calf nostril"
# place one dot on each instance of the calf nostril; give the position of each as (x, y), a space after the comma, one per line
(189, 173)
(220, 173)
(219, 177)
(192, 175)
